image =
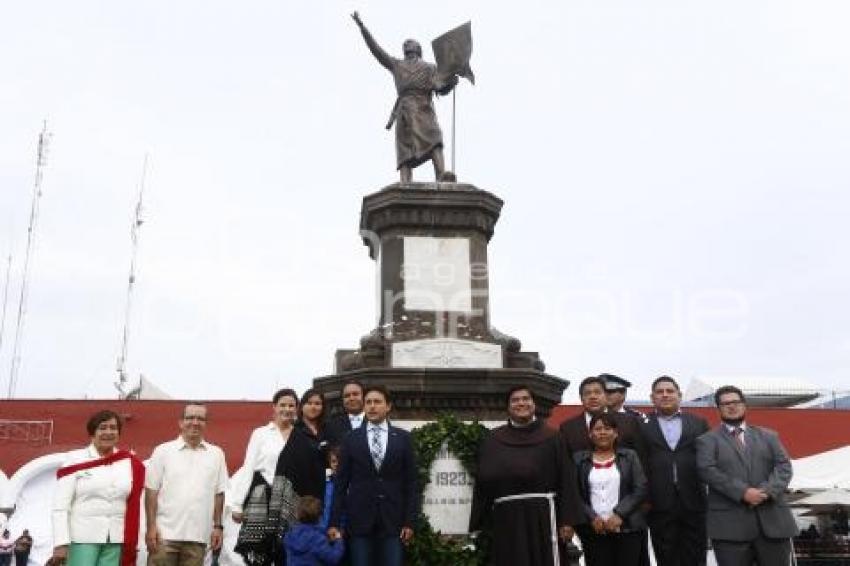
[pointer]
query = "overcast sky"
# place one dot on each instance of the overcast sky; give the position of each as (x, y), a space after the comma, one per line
(675, 177)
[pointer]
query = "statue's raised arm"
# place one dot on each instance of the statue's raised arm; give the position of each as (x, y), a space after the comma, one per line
(381, 55)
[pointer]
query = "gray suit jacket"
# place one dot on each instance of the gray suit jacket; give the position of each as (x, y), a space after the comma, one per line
(728, 472)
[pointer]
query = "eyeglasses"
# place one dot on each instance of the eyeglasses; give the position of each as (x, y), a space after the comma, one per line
(194, 418)
(730, 403)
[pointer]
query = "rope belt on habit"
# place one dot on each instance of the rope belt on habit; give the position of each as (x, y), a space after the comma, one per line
(553, 522)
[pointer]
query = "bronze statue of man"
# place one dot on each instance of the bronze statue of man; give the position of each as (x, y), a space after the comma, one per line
(417, 134)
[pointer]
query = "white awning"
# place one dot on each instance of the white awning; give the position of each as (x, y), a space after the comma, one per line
(826, 470)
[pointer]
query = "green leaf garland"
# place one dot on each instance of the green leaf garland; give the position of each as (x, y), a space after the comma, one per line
(429, 547)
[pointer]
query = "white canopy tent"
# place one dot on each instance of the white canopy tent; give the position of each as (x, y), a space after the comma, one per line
(830, 497)
(826, 470)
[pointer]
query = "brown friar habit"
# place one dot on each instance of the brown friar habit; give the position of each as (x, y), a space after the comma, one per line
(523, 460)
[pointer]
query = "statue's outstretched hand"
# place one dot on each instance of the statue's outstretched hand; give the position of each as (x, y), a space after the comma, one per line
(446, 84)
(356, 17)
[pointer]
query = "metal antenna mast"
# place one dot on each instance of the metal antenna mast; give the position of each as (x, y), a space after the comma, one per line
(5, 301)
(41, 162)
(131, 282)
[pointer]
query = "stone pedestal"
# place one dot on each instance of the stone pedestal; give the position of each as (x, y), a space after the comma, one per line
(433, 345)
(420, 393)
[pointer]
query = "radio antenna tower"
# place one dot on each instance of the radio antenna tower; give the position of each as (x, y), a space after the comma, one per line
(121, 368)
(40, 164)
(5, 301)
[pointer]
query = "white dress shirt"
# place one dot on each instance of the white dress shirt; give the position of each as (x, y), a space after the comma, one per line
(732, 428)
(187, 479)
(7, 545)
(355, 420)
(89, 505)
(671, 428)
(264, 448)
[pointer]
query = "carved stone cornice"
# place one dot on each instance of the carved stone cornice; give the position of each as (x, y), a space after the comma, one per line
(453, 206)
(420, 393)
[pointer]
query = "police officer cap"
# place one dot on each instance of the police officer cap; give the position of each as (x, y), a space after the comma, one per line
(615, 383)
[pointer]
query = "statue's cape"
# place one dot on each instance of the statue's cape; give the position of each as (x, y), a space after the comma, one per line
(452, 51)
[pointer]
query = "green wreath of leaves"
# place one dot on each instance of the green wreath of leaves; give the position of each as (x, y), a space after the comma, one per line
(428, 547)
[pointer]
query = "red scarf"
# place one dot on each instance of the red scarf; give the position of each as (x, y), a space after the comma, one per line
(131, 516)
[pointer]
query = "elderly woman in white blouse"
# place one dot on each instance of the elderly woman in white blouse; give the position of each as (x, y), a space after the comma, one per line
(280, 465)
(97, 502)
(613, 486)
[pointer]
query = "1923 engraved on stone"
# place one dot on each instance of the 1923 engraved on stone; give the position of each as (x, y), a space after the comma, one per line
(447, 500)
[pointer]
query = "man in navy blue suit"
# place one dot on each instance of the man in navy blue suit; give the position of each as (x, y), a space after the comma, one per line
(375, 486)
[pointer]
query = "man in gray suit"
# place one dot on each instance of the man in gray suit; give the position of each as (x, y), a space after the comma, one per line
(747, 471)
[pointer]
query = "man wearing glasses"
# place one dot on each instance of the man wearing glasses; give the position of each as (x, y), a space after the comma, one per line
(184, 495)
(747, 471)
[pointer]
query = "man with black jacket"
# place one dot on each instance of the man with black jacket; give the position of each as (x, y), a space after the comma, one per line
(594, 400)
(676, 494)
(352, 403)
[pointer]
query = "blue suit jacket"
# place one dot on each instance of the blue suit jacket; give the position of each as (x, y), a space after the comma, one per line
(375, 502)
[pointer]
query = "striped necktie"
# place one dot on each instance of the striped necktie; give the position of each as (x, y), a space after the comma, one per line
(738, 433)
(377, 447)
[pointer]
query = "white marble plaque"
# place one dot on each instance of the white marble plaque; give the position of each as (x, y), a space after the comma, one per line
(447, 500)
(437, 274)
(446, 353)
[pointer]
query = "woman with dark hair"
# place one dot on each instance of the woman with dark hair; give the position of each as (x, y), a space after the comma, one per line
(311, 420)
(281, 464)
(613, 486)
(97, 501)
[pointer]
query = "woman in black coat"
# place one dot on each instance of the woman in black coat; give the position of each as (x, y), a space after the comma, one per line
(613, 487)
(311, 421)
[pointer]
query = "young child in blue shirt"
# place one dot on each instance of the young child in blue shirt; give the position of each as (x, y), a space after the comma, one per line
(333, 462)
(307, 543)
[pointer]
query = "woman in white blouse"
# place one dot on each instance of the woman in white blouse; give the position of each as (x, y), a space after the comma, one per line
(280, 465)
(265, 446)
(613, 487)
(97, 500)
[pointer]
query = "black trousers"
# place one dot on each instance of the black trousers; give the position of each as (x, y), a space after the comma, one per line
(621, 549)
(761, 551)
(678, 537)
(644, 548)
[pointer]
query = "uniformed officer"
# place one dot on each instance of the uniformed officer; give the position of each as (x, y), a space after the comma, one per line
(615, 391)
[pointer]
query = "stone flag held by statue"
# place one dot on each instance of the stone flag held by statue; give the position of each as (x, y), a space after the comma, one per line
(452, 52)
